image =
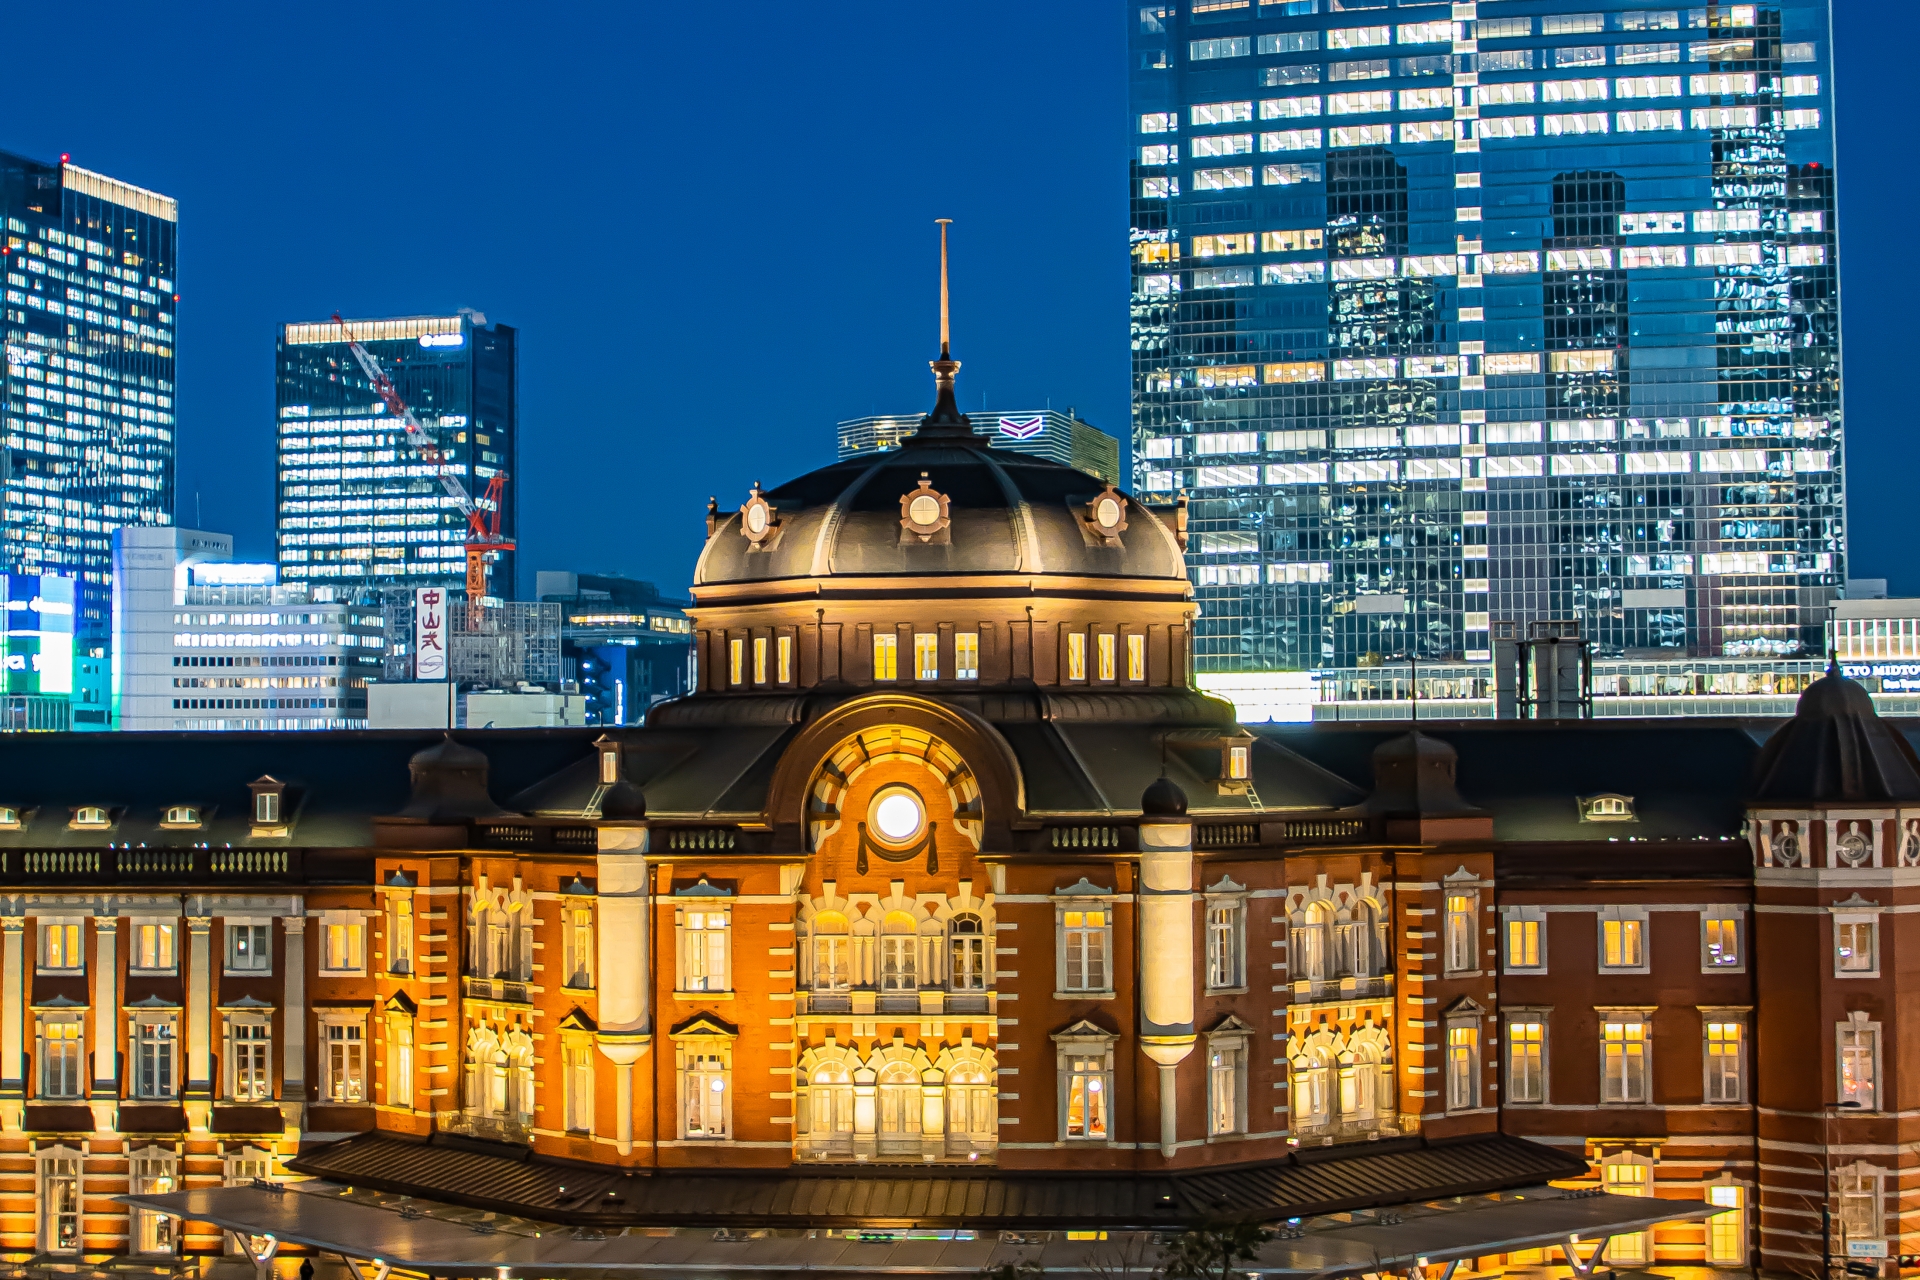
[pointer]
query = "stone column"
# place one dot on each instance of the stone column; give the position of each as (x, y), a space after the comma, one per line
(199, 993)
(1166, 973)
(293, 1022)
(13, 1021)
(106, 1008)
(624, 973)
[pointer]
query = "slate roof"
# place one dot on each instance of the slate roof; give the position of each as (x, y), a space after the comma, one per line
(1330, 1180)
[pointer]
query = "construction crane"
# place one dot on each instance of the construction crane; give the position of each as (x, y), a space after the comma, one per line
(483, 540)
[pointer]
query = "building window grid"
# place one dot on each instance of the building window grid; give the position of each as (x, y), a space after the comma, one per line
(1624, 1059)
(1526, 1042)
(1462, 927)
(250, 1051)
(1085, 936)
(1726, 1062)
(1463, 1064)
(1226, 944)
(704, 938)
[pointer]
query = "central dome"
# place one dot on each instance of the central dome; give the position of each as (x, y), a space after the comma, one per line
(1001, 513)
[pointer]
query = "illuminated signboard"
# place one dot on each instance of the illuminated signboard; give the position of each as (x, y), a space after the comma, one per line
(1025, 427)
(443, 340)
(430, 633)
(1894, 677)
(39, 654)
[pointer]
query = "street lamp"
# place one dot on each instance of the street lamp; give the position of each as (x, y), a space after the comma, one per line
(1826, 1182)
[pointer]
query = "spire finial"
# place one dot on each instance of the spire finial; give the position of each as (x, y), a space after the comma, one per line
(944, 347)
(946, 421)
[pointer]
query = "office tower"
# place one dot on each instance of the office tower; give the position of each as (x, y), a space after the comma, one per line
(1045, 433)
(1445, 314)
(88, 391)
(625, 645)
(202, 641)
(359, 503)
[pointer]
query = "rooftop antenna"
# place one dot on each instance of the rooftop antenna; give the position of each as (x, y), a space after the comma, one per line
(945, 353)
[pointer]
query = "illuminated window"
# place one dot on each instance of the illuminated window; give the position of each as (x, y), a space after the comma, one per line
(250, 1057)
(886, 657)
(1226, 1085)
(1077, 655)
(966, 655)
(59, 1199)
(1462, 923)
(1239, 763)
(967, 954)
(399, 1060)
(152, 948)
(60, 943)
(1463, 1064)
(1862, 1215)
(343, 1064)
(400, 933)
(1103, 656)
(155, 1041)
(342, 946)
(707, 1094)
(926, 655)
(703, 937)
(1628, 1175)
(784, 659)
(832, 953)
(759, 659)
(153, 1172)
(577, 1079)
(1726, 1063)
(1088, 1084)
(1083, 950)
(1525, 938)
(1720, 939)
(1623, 939)
(1623, 1057)
(62, 1054)
(1727, 1231)
(736, 661)
(1226, 944)
(1526, 1057)
(249, 948)
(1855, 945)
(1136, 657)
(579, 956)
(1859, 1052)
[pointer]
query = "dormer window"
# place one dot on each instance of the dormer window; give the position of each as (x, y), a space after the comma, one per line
(9, 818)
(1239, 763)
(1606, 808)
(269, 806)
(609, 764)
(181, 815)
(266, 807)
(90, 815)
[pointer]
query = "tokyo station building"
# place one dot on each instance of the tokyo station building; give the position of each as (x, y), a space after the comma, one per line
(946, 924)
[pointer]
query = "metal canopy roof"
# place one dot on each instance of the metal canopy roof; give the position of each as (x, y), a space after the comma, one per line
(441, 1240)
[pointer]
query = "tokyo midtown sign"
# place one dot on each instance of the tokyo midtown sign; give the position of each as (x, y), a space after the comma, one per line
(430, 634)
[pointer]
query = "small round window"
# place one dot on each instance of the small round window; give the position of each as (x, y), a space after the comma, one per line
(897, 815)
(1107, 512)
(924, 509)
(757, 518)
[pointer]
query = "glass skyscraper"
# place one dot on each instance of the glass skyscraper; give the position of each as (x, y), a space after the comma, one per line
(358, 503)
(88, 329)
(1452, 314)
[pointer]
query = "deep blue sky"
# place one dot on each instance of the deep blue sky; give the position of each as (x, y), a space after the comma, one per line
(713, 226)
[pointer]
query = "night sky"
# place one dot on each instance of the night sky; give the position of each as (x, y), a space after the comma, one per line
(713, 226)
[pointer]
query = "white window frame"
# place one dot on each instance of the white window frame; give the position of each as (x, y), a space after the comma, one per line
(400, 934)
(166, 946)
(1717, 1192)
(1461, 1074)
(231, 1055)
(1509, 917)
(1226, 942)
(576, 1071)
(1855, 920)
(1511, 1094)
(692, 1055)
(72, 945)
(246, 1165)
(77, 1019)
(1633, 1248)
(402, 1056)
(153, 1171)
(164, 1086)
(349, 1079)
(579, 924)
(1623, 916)
(1085, 1043)
(230, 953)
(1082, 898)
(966, 655)
(1845, 1045)
(1231, 1043)
(354, 925)
(693, 960)
(1643, 1018)
(1460, 927)
(958, 977)
(49, 1164)
(1874, 1181)
(1710, 1017)
(1727, 917)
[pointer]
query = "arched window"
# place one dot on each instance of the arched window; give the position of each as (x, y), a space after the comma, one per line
(516, 1064)
(900, 1108)
(967, 949)
(829, 1113)
(1367, 946)
(1312, 1087)
(973, 1110)
(1359, 1074)
(1311, 954)
(899, 953)
(832, 953)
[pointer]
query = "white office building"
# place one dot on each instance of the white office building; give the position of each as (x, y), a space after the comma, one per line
(203, 641)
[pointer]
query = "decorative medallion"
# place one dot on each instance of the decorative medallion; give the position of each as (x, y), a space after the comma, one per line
(1107, 514)
(758, 518)
(923, 511)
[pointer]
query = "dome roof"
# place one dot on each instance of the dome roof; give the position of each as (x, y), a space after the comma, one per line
(1006, 513)
(1836, 749)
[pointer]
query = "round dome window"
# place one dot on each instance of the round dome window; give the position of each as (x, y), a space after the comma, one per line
(897, 815)
(757, 518)
(924, 509)
(1107, 512)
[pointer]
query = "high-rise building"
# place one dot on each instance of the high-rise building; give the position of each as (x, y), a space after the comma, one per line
(358, 502)
(624, 644)
(1446, 314)
(1044, 433)
(88, 384)
(202, 641)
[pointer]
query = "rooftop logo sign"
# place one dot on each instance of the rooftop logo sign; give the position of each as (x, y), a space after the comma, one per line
(1022, 428)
